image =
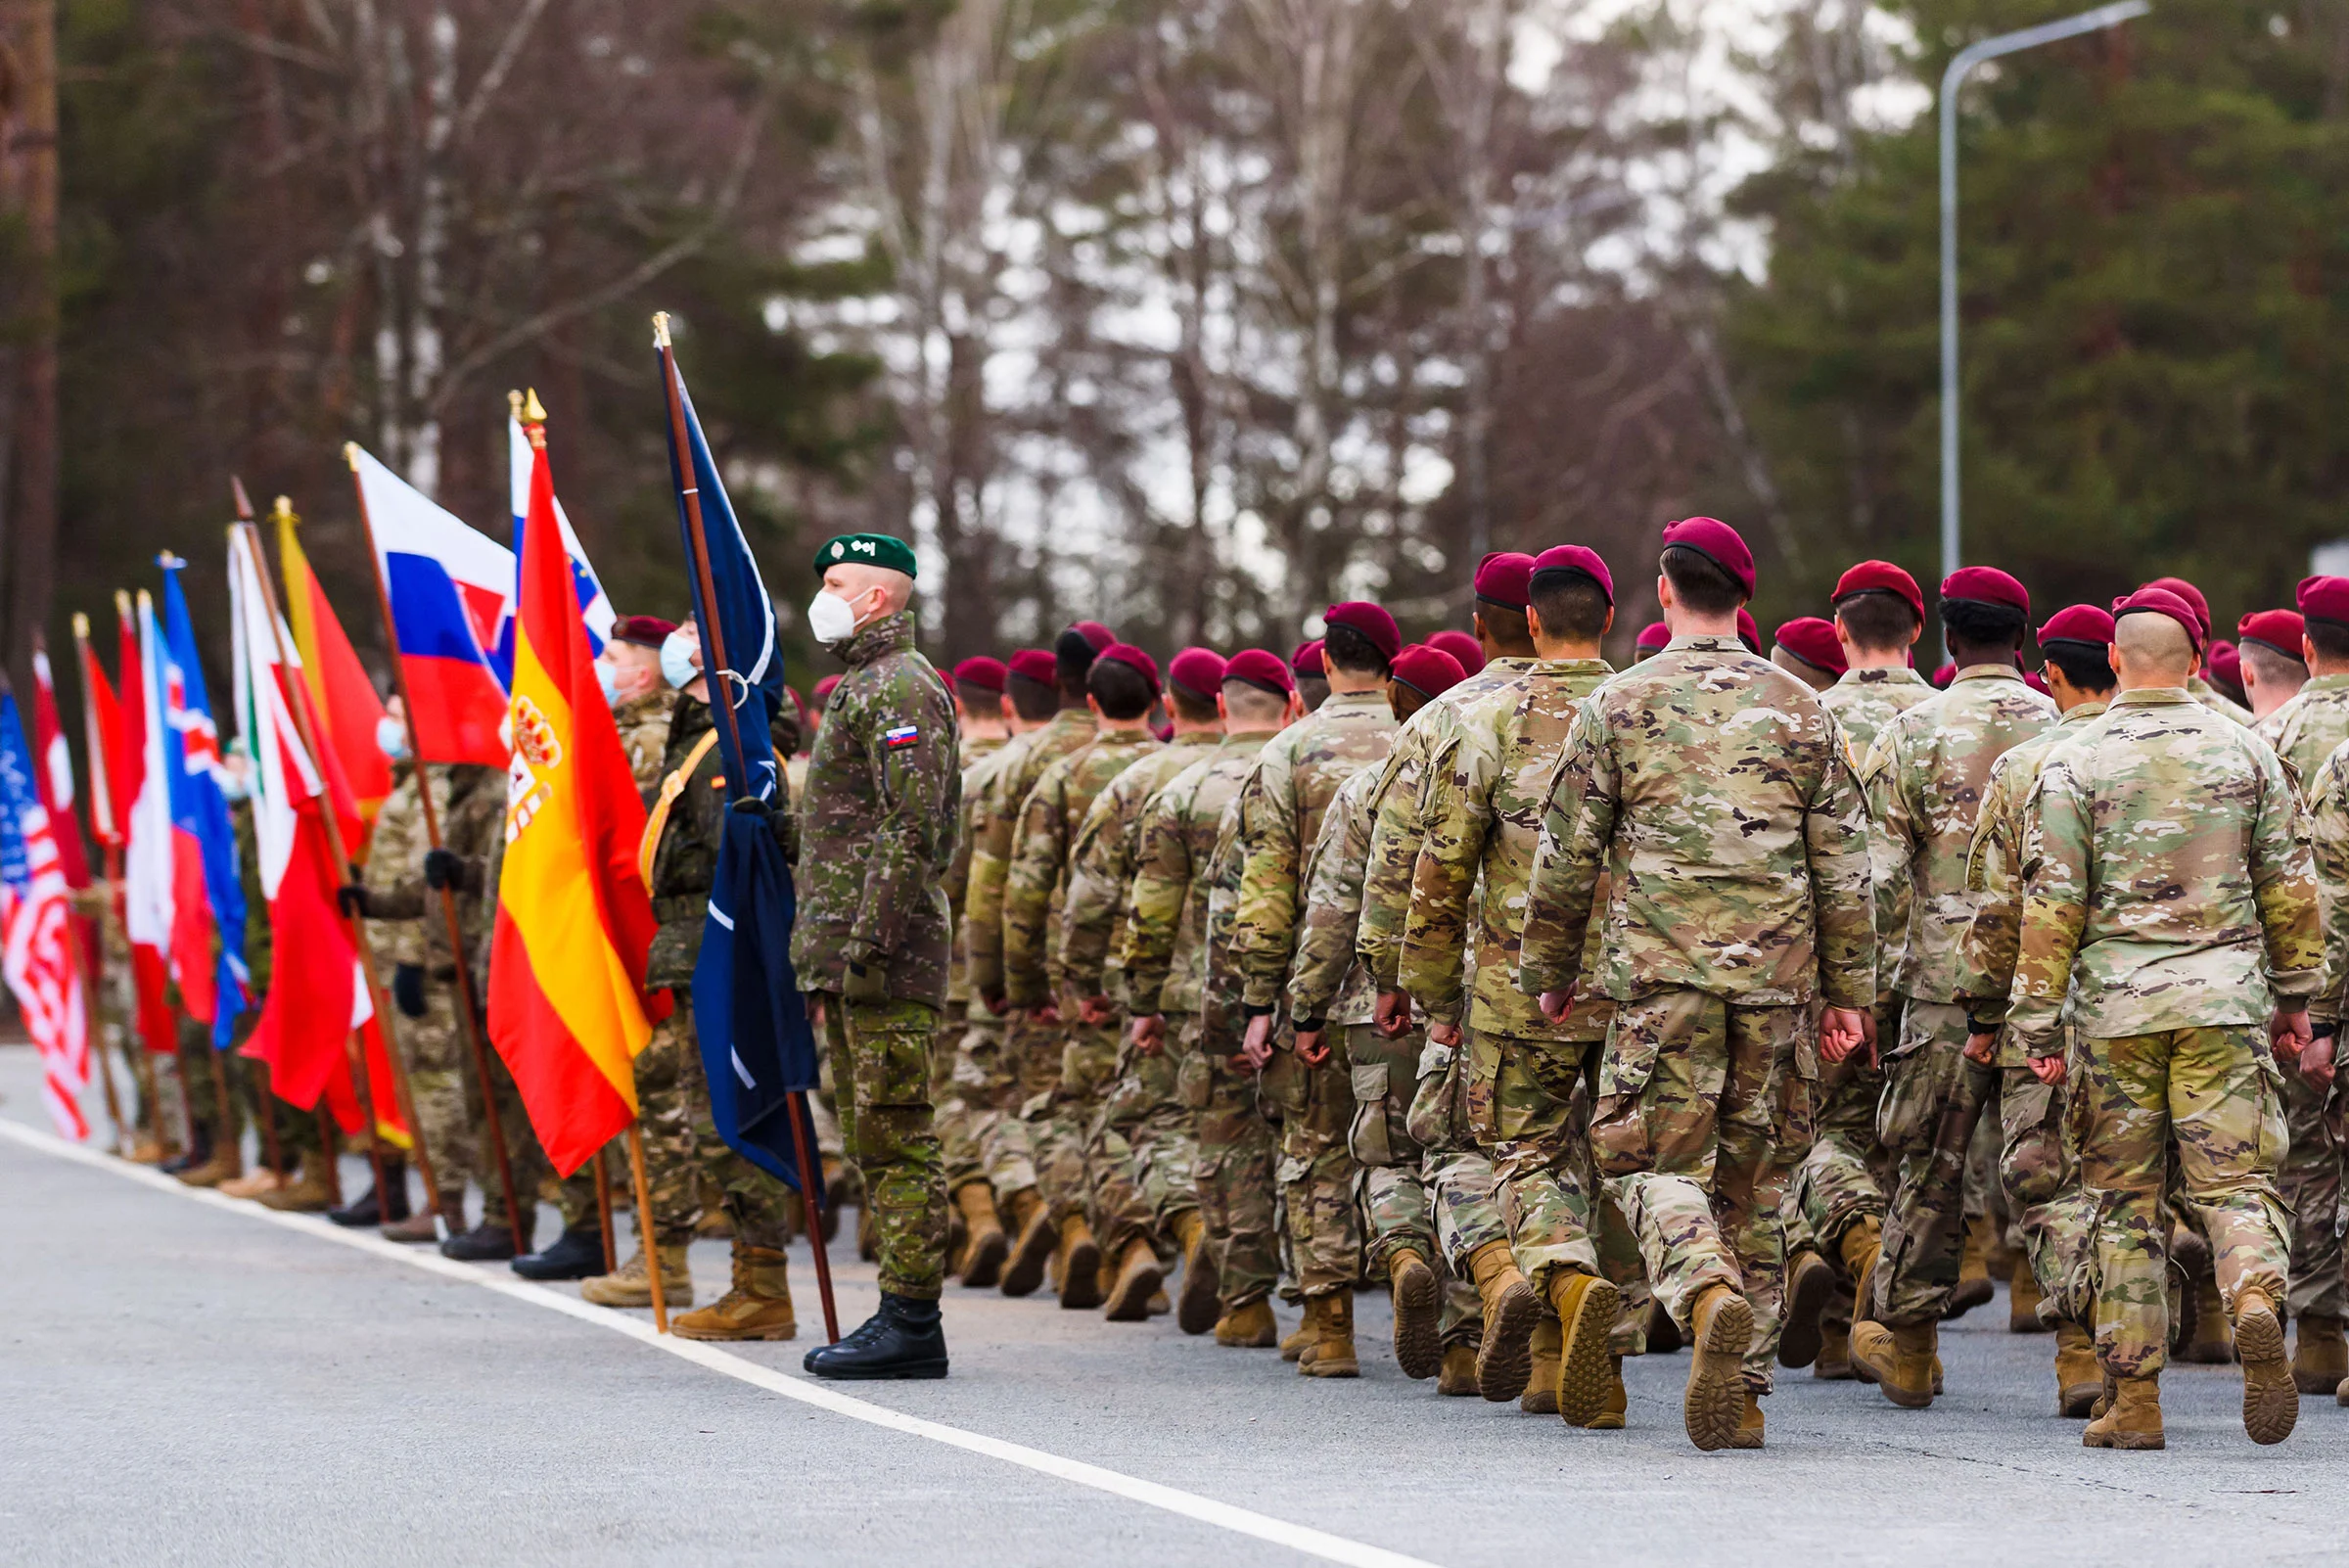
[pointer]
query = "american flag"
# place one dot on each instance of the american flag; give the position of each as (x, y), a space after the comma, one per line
(36, 933)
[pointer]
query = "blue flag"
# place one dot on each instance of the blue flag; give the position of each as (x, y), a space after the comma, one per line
(193, 778)
(756, 1046)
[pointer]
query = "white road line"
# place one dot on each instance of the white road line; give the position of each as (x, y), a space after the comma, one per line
(1190, 1504)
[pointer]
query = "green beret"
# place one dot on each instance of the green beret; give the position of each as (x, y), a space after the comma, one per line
(868, 549)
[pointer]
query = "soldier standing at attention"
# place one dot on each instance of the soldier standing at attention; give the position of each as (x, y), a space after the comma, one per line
(2171, 911)
(1313, 682)
(876, 836)
(1712, 790)
(1924, 779)
(2202, 690)
(2274, 659)
(1808, 649)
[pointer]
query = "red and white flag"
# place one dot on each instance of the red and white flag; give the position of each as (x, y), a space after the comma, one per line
(144, 802)
(36, 931)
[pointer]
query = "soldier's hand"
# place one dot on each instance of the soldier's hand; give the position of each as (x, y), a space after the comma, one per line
(1556, 1004)
(751, 806)
(2047, 1070)
(1444, 1034)
(1149, 1035)
(1096, 1011)
(1841, 1032)
(1255, 1049)
(1392, 1014)
(353, 898)
(1048, 1013)
(816, 1012)
(443, 869)
(997, 1004)
(1978, 1048)
(1310, 1047)
(865, 981)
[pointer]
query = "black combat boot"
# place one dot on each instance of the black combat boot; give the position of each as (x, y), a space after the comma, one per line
(483, 1243)
(197, 1152)
(576, 1255)
(903, 1340)
(373, 1209)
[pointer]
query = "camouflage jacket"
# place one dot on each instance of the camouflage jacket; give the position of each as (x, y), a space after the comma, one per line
(1327, 983)
(471, 802)
(1864, 701)
(1102, 863)
(2327, 817)
(685, 861)
(1481, 824)
(1038, 881)
(1994, 871)
(2169, 882)
(2305, 730)
(1280, 816)
(2210, 697)
(1395, 801)
(1713, 791)
(1163, 953)
(979, 759)
(643, 724)
(1924, 778)
(877, 826)
(994, 826)
(1220, 1019)
(395, 874)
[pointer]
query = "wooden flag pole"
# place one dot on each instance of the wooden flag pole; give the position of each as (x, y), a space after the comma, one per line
(101, 823)
(328, 1155)
(271, 1150)
(143, 1055)
(602, 1209)
(466, 1009)
(76, 931)
(645, 1239)
(713, 640)
(225, 1100)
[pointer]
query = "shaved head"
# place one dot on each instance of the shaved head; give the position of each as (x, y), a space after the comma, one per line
(2151, 650)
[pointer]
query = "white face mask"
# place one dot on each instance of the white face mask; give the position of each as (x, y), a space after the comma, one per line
(391, 737)
(609, 679)
(676, 660)
(829, 617)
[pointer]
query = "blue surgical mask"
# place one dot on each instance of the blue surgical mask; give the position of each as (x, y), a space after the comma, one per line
(391, 737)
(676, 661)
(609, 679)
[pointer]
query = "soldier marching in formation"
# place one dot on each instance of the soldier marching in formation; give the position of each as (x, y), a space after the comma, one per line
(1747, 1003)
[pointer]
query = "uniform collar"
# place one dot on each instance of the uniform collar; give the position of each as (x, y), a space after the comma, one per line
(1372, 698)
(1197, 737)
(1986, 673)
(2155, 697)
(1510, 661)
(893, 633)
(1726, 643)
(1574, 666)
(2091, 708)
(2323, 683)
(1242, 740)
(1875, 675)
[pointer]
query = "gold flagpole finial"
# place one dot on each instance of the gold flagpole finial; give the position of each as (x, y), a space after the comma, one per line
(514, 405)
(122, 603)
(282, 511)
(81, 626)
(659, 329)
(533, 412)
(350, 455)
(167, 561)
(236, 491)
(146, 602)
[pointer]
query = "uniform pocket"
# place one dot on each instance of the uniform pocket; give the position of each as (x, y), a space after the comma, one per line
(1916, 1085)
(1283, 1083)
(891, 1061)
(1366, 1140)
(1194, 1082)
(1628, 1062)
(1430, 1120)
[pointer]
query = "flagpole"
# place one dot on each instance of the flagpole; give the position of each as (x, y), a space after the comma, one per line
(97, 771)
(143, 1054)
(713, 639)
(646, 1242)
(602, 1209)
(354, 1042)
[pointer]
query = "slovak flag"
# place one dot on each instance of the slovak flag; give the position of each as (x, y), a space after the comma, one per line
(208, 896)
(595, 605)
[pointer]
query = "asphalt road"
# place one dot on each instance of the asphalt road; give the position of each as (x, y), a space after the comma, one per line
(184, 1381)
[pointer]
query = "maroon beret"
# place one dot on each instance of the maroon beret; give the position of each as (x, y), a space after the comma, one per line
(1429, 672)
(1986, 586)
(1095, 633)
(1372, 621)
(1580, 560)
(1467, 649)
(1749, 631)
(2280, 629)
(1126, 652)
(2161, 602)
(1261, 669)
(2192, 598)
(2037, 682)
(1943, 677)
(1306, 663)
(2324, 598)
(1717, 542)
(1655, 634)
(1198, 672)
(643, 631)
(1036, 665)
(2225, 667)
(981, 670)
(1882, 576)
(823, 687)
(2079, 622)
(1503, 577)
(1815, 643)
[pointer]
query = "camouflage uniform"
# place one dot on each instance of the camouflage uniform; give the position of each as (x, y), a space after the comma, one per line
(983, 1138)
(2171, 903)
(2210, 697)
(2304, 731)
(1141, 1151)
(1713, 791)
(1185, 844)
(1924, 778)
(1280, 817)
(1480, 821)
(1864, 701)
(876, 836)
(955, 1139)
(474, 830)
(2041, 1177)
(1079, 1059)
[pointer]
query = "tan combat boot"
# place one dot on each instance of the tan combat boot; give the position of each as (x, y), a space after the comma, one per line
(147, 1151)
(1721, 1329)
(982, 1255)
(1249, 1327)
(2135, 1420)
(1078, 1266)
(2319, 1355)
(251, 1184)
(311, 1193)
(1196, 1309)
(226, 1164)
(1512, 1309)
(2022, 1302)
(1333, 1352)
(1032, 1222)
(1137, 1281)
(1809, 1286)
(1618, 1400)
(1749, 1425)
(2079, 1380)
(1660, 1333)
(1458, 1379)
(1862, 1244)
(1904, 1363)
(420, 1226)
(758, 1307)
(1297, 1345)
(1548, 1345)
(1974, 1270)
(629, 1285)
(2212, 1342)
(1834, 1364)
(1586, 1305)
(1418, 1312)
(2271, 1399)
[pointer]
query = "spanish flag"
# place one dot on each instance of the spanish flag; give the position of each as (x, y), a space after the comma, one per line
(575, 924)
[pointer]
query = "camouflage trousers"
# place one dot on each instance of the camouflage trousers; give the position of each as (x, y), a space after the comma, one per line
(1233, 1176)
(1449, 1194)
(1144, 1153)
(2218, 1093)
(984, 1139)
(880, 1056)
(440, 1086)
(685, 1161)
(1316, 1171)
(1061, 1116)
(1703, 1105)
(2311, 1185)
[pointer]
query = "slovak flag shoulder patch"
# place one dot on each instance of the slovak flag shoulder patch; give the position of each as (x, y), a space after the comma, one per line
(903, 735)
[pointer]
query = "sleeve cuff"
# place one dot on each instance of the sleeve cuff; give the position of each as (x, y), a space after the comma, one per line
(2296, 984)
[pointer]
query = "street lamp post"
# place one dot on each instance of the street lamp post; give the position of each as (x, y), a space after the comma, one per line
(1967, 59)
